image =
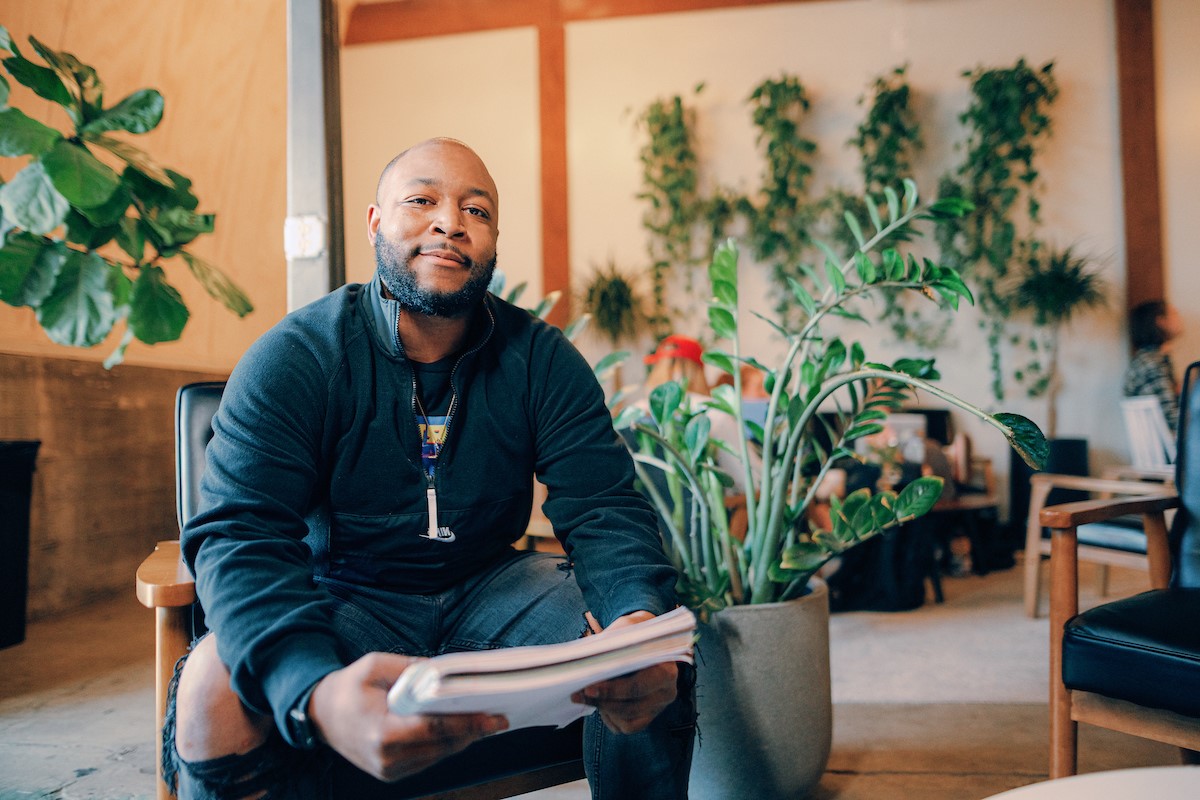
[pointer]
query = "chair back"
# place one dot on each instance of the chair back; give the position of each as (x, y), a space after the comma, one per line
(1185, 530)
(1150, 440)
(195, 405)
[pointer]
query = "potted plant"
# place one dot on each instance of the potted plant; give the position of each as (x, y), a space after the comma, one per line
(615, 307)
(766, 728)
(1055, 288)
(80, 243)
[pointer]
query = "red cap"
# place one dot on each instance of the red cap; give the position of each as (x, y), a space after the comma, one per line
(677, 347)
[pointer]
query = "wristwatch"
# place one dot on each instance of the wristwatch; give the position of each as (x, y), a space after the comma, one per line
(300, 727)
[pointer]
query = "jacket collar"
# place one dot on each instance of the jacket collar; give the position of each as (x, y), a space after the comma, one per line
(384, 312)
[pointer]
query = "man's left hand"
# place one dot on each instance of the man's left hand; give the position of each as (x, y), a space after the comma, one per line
(631, 702)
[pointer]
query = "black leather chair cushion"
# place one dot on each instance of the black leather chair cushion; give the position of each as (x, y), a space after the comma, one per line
(495, 757)
(1144, 649)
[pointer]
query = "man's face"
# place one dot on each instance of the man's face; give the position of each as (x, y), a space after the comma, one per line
(434, 229)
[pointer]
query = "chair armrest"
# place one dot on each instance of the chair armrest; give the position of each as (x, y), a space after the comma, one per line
(1054, 480)
(162, 579)
(1072, 515)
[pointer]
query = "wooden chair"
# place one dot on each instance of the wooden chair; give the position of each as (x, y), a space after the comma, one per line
(1108, 543)
(1131, 665)
(500, 766)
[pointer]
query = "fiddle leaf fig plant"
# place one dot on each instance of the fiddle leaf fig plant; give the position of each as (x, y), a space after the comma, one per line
(82, 243)
(783, 545)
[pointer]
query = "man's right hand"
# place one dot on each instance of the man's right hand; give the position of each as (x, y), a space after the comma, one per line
(349, 710)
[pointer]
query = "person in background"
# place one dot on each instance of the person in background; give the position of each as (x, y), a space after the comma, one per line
(1153, 328)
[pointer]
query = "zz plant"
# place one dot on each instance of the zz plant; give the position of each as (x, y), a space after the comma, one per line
(781, 549)
(82, 244)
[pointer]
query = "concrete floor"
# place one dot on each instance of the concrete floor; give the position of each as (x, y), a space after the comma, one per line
(76, 719)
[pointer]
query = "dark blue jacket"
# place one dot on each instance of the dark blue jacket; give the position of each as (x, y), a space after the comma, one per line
(314, 476)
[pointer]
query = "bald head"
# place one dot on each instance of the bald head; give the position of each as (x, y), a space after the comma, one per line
(436, 142)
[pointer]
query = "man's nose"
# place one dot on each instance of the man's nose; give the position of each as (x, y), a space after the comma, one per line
(448, 221)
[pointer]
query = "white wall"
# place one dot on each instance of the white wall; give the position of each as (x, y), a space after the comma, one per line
(395, 94)
(837, 49)
(481, 88)
(1176, 30)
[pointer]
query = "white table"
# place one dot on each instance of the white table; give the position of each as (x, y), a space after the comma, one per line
(1157, 783)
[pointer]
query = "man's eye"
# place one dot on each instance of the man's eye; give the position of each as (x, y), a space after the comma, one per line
(424, 201)
(478, 212)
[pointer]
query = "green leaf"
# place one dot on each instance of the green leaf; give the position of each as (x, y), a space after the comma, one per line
(78, 175)
(722, 323)
(1026, 438)
(873, 212)
(81, 231)
(79, 311)
(802, 296)
(608, 363)
(859, 431)
(910, 195)
(42, 80)
(517, 291)
(130, 238)
(576, 327)
(218, 285)
(143, 165)
(723, 399)
(138, 113)
(804, 557)
(893, 203)
(919, 496)
(664, 401)
(725, 292)
(156, 311)
(865, 268)
(112, 210)
(20, 135)
(855, 229)
(721, 361)
(29, 266)
(118, 355)
(695, 436)
(724, 263)
(31, 201)
(74, 74)
(6, 42)
(836, 279)
(4, 90)
(540, 310)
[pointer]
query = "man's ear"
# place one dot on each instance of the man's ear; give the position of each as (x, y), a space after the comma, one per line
(373, 219)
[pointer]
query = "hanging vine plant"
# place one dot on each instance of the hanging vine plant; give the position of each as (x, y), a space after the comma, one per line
(671, 188)
(1006, 120)
(780, 218)
(887, 141)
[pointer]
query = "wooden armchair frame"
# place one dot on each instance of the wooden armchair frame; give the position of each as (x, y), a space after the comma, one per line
(1041, 484)
(1068, 707)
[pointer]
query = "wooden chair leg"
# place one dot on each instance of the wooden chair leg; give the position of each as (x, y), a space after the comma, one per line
(1033, 548)
(172, 637)
(1064, 604)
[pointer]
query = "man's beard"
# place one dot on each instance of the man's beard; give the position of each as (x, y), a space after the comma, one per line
(396, 271)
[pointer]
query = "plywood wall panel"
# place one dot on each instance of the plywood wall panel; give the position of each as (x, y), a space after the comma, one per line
(104, 485)
(221, 66)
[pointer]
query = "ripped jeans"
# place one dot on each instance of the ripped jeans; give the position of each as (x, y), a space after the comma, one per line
(529, 598)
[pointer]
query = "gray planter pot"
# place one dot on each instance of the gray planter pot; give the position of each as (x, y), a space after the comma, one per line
(765, 709)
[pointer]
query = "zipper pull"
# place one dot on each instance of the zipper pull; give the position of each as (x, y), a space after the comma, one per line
(431, 498)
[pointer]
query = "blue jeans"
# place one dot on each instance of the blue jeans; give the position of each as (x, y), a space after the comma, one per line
(527, 598)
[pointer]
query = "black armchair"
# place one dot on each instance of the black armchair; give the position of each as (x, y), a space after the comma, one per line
(1131, 665)
(500, 766)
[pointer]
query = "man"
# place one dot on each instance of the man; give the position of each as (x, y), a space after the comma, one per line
(371, 466)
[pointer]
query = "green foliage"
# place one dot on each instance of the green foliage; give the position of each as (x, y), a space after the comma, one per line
(66, 215)
(1054, 287)
(614, 303)
(781, 549)
(1006, 120)
(670, 188)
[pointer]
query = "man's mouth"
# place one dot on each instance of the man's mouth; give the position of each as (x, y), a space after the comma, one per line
(444, 253)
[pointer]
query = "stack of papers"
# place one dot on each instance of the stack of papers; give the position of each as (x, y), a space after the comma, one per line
(532, 686)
